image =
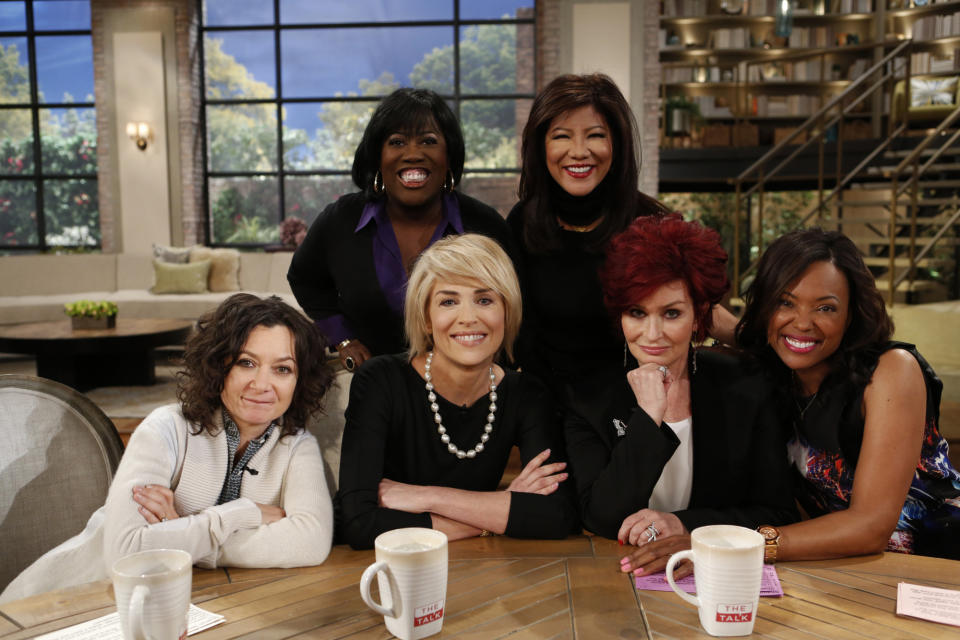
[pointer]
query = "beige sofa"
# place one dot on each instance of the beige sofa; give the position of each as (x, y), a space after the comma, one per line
(34, 288)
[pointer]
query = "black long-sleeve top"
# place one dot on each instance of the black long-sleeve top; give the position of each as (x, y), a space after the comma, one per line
(333, 271)
(390, 433)
(740, 471)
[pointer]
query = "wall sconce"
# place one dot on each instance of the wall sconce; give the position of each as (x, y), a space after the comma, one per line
(139, 132)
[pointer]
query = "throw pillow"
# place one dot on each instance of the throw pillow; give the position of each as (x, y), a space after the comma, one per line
(176, 255)
(926, 92)
(224, 267)
(180, 278)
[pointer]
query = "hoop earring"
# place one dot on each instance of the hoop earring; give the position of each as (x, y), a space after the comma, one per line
(693, 359)
(378, 183)
(448, 182)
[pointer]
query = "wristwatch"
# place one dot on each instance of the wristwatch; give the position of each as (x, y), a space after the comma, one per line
(771, 542)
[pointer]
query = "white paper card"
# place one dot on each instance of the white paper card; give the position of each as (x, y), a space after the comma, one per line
(108, 626)
(929, 603)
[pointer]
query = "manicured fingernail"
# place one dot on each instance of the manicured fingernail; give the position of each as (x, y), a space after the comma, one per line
(637, 572)
(624, 560)
(619, 542)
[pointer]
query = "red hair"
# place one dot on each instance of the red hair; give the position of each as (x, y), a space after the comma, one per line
(656, 250)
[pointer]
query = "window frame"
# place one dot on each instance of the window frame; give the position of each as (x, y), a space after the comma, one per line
(30, 33)
(281, 173)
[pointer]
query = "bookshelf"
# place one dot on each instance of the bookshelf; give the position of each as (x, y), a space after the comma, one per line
(726, 58)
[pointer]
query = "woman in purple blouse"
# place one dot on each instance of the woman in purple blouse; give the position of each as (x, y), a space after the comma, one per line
(350, 273)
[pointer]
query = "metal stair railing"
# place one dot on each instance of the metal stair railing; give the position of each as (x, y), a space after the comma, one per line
(816, 126)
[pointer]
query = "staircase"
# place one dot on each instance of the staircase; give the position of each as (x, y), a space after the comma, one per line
(899, 200)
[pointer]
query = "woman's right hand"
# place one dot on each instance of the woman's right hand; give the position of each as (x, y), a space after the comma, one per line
(357, 351)
(270, 513)
(156, 503)
(538, 477)
(650, 385)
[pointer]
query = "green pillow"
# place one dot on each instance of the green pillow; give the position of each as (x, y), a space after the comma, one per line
(180, 278)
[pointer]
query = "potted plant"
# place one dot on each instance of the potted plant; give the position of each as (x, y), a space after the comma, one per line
(88, 314)
(681, 115)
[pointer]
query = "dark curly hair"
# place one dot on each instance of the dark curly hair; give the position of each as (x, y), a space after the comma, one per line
(654, 251)
(623, 202)
(784, 261)
(214, 347)
(409, 111)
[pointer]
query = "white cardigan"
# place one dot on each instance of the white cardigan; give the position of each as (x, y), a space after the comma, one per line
(162, 451)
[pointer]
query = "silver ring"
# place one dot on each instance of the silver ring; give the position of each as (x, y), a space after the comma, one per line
(652, 532)
(663, 371)
(349, 363)
(163, 519)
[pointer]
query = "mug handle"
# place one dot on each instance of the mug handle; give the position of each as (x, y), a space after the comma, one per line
(671, 563)
(365, 580)
(135, 611)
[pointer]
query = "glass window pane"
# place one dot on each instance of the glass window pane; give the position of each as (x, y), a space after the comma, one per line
(240, 64)
(493, 9)
(16, 142)
(489, 62)
(65, 68)
(218, 13)
(368, 62)
(499, 190)
(333, 11)
(71, 212)
(242, 137)
(12, 16)
(61, 14)
(18, 206)
(15, 78)
(68, 141)
(320, 135)
(306, 197)
(491, 130)
(244, 210)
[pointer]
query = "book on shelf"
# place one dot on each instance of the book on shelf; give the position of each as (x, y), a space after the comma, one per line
(934, 27)
(684, 8)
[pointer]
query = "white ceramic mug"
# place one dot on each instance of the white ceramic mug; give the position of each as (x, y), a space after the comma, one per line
(152, 589)
(411, 570)
(727, 566)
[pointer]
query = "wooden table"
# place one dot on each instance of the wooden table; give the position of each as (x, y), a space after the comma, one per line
(88, 358)
(523, 589)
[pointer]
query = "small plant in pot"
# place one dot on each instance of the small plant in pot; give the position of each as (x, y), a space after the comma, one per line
(88, 314)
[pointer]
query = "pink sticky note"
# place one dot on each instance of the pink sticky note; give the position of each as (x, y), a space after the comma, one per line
(769, 582)
(929, 603)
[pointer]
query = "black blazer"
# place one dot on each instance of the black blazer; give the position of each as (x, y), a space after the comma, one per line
(740, 470)
(333, 272)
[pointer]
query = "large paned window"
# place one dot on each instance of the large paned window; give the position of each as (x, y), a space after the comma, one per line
(289, 86)
(48, 133)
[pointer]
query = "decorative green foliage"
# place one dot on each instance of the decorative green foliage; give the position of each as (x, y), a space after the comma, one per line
(90, 309)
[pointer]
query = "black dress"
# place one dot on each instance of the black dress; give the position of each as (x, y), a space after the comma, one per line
(740, 471)
(390, 433)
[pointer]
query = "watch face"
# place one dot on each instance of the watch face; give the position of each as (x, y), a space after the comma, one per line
(769, 533)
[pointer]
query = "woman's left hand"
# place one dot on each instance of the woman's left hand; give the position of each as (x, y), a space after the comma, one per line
(401, 496)
(653, 556)
(636, 530)
(156, 503)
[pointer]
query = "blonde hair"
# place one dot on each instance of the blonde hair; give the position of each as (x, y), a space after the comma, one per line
(458, 259)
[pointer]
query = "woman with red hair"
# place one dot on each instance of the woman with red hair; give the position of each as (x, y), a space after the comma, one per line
(681, 437)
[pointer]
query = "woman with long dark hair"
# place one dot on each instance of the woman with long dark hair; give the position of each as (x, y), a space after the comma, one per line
(864, 409)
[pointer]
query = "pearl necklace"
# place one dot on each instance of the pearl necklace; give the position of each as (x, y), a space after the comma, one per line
(444, 438)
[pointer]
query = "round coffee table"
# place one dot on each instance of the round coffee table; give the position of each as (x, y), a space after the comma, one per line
(88, 358)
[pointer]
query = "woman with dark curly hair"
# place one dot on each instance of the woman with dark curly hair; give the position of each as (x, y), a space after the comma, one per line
(350, 273)
(679, 437)
(229, 474)
(864, 409)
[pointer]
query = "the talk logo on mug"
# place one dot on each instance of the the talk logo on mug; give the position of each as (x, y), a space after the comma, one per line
(734, 612)
(428, 613)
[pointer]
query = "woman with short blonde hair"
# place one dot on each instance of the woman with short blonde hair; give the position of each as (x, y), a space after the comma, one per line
(428, 435)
